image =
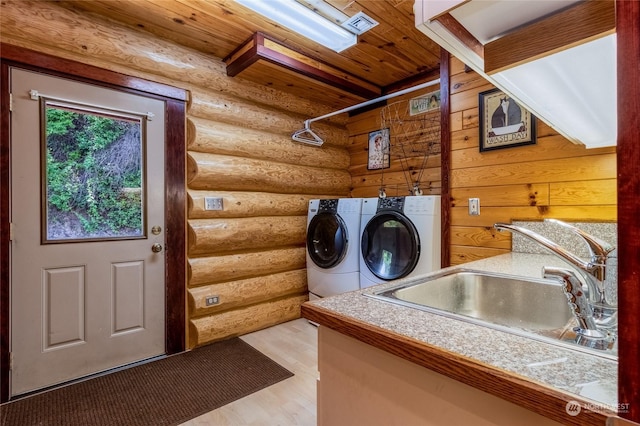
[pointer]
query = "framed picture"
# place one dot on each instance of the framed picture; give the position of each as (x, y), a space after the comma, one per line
(503, 122)
(379, 150)
(424, 103)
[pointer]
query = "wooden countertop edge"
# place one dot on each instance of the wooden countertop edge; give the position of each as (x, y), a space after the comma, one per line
(511, 387)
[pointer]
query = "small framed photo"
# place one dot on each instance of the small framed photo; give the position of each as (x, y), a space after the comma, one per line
(503, 122)
(424, 103)
(379, 150)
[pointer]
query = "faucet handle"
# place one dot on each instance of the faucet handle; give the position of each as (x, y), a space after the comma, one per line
(578, 300)
(597, 247)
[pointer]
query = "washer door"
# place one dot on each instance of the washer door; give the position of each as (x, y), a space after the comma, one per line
(327, 240)
(390, 245)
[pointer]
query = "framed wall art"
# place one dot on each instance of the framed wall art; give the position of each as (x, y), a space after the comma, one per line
(424, 103)
(503, 122)
(379, 150)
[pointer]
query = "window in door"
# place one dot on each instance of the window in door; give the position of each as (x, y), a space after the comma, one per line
(93, 168)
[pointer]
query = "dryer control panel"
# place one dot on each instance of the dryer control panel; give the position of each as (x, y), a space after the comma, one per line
(391, 203)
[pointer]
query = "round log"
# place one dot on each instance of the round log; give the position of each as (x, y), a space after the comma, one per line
(212, 172)
(217, 269)
(227, 139)
(235, 294)
(49, 28)
(248, 204)
(210, 236)
(232, 110)
(242, 321)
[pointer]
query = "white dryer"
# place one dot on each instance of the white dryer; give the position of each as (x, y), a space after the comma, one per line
(333, 248)
(399, 237)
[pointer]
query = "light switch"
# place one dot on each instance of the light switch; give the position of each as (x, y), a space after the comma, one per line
(213, 203)
(474, 206)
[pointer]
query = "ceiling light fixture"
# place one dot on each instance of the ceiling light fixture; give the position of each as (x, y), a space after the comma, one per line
(322, 8)
(298, 18)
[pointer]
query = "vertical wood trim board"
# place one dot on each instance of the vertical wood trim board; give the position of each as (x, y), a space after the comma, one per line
(628, 39)
(445, 157)
(4, 234)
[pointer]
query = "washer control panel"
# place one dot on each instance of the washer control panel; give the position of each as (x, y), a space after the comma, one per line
(330, 206)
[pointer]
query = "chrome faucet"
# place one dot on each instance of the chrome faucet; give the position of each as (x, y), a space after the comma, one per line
(593, 312)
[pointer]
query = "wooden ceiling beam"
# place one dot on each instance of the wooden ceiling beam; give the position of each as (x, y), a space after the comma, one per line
(461, 33)
(259, 48)
(411, 81)
(576, 25)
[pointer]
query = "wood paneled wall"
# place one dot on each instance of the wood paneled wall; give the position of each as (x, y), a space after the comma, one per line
(404, 166)
(251, 254)
(552, 179)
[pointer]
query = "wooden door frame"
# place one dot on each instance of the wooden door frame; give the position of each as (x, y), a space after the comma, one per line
(628, 155)
(445, 157)
(175, 192)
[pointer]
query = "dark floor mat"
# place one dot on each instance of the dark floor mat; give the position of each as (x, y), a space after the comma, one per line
(164, 392)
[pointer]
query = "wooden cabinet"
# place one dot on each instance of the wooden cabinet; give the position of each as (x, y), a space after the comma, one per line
(363, 385)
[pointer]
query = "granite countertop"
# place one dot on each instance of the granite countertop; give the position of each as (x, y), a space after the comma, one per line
(578, 375)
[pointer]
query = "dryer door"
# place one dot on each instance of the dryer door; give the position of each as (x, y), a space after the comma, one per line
(327, 239)
(390, 245)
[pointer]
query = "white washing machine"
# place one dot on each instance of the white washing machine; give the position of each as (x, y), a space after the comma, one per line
(333, 246)
(400, 237)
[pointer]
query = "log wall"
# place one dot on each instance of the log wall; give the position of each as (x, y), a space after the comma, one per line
(252, 253)
(552, 179)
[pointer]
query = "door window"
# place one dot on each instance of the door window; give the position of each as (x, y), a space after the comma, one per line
(93, 168)
(390, 246)
(327, 239)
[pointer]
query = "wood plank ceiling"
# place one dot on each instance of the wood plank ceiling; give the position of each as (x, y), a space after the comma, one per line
(390, 56)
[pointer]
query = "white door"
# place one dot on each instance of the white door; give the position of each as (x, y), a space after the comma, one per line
(87, 214)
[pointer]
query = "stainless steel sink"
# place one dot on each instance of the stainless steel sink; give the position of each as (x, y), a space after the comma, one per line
(534, 308)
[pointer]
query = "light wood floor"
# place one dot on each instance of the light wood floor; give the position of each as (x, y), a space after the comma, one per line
(291, 402)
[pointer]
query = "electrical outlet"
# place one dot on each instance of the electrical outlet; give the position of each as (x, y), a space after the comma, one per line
(213, 203)
(474, 206)
(212, 300)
